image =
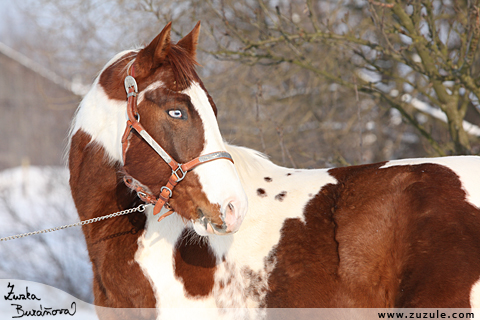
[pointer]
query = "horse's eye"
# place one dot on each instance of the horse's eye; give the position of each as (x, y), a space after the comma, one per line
(177, 114)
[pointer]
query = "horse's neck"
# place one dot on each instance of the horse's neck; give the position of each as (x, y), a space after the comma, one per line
(97, 190)
(95, 155)
(275, 194)
(94, 180)
(270, 186)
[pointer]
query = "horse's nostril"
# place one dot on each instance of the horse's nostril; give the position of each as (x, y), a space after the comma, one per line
(229, 213)
(230, 218)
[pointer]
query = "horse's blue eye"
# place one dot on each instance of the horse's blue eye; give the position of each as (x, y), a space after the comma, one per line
(175, 113)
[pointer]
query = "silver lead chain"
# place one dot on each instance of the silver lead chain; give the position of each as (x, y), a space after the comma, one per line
(140, 208)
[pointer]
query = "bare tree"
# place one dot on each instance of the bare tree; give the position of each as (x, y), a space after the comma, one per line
(310, 83)
(396, 52)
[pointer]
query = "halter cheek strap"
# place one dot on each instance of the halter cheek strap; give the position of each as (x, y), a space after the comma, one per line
(179, 171)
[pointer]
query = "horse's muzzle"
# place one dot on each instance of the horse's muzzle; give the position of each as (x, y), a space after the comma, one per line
(230, 221)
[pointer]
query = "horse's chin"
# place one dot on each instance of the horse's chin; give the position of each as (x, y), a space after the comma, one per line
(204, 227)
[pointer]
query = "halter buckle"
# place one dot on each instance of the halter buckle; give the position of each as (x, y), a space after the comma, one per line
(168, 189)
(182, 173)
(129, 83)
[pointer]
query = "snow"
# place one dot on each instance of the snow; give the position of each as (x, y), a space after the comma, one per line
(35, 198)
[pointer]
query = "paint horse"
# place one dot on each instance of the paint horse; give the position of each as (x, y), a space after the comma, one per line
(393, 234)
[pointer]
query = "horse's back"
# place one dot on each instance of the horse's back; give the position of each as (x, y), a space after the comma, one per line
(409, 232)
(393, 234)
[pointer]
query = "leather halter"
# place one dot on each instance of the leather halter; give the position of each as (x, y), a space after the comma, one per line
(179, 171)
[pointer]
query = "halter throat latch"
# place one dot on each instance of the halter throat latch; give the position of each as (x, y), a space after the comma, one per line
(179, 171)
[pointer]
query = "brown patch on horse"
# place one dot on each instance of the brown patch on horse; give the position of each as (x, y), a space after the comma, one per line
(136, 219)
(190, 192)
(305, 259)
(195, 264)
(115, 258)
(268, 179)
(417, 232)
(261, 192)
(402, 236)
(281, 196)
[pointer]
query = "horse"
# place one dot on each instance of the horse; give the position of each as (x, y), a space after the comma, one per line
(239, 235)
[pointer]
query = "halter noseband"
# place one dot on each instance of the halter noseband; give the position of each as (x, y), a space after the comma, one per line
(179, 171)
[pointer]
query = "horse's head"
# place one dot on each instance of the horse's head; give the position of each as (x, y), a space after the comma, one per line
(175, 109)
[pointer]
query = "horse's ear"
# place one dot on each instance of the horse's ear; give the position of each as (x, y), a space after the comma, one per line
(153, 55)
(190, 41)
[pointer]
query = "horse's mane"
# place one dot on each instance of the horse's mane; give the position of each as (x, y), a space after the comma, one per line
(249, 162)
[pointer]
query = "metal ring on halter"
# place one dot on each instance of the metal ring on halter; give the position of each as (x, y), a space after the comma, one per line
(137, 116)
(169, 190)
(175, 172)
(142, 194)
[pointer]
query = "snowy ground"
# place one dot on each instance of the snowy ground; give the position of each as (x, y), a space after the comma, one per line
(34, 198)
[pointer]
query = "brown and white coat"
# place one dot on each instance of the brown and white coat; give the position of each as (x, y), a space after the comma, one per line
(395, 234)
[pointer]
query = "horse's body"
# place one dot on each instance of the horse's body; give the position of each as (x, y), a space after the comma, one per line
(396, 234)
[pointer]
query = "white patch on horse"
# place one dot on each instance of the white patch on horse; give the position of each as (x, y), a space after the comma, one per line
(260, 230)
(104, 119)
(155, 256)
(151, 87)
(199, 99)
(241, 290)
(213, 173)
(467, 169)
(475, 295)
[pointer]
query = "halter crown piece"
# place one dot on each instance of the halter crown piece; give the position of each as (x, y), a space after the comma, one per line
(179, 171)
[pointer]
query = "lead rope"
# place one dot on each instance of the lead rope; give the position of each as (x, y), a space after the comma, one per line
(140, 208)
